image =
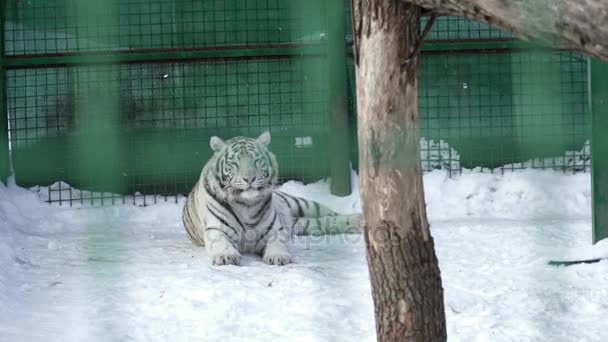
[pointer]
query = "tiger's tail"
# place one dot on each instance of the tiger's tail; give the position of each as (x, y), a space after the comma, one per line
(300, 207)
(325, 225)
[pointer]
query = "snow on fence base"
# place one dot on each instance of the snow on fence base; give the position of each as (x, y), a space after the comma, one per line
(435, 155)
(130, 273)
(62, 193)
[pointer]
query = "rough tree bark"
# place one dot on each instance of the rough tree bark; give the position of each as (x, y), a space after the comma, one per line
(579, 25)
(406, 283)
(404, 273)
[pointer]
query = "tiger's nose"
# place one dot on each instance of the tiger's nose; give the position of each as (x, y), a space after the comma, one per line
(249, 179)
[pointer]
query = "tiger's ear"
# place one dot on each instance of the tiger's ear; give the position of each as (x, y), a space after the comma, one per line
(264, 138)
(216, 144)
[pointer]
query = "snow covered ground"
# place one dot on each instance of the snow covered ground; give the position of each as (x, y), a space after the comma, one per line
(128, 273)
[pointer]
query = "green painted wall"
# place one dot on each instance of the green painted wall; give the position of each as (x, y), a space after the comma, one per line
(598, 85)
(241, 67)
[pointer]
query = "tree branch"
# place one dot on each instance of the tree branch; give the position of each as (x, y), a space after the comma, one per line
(354, 33)
(578, 25)
(418, 46)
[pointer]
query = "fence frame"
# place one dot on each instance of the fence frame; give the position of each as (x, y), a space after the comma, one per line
(5, 168)
(598, 104)
(340, 170)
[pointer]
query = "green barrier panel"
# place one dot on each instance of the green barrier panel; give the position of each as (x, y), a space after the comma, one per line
(182, 71)
(4, 147)
(598, 91)
(338, 101)
(167, 112)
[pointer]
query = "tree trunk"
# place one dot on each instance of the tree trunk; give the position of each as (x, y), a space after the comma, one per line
(579, 25)
(404, 273)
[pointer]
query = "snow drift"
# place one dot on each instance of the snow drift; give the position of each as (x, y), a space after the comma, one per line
(129, 273)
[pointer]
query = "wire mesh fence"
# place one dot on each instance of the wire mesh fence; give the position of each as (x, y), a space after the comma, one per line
(72, 26)
(166, 114)
(499, 109)
(505, 111)
(456, 29)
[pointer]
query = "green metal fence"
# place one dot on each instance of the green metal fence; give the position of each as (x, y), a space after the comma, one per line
(121, 97)
(65, 26)
(175, 73)
(500, 110)
(503, 110)
(488, 100)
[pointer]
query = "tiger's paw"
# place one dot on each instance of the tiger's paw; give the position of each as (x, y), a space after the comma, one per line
(278, 259)
(226, 259)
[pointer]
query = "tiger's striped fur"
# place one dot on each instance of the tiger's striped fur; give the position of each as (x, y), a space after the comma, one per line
(234, 208)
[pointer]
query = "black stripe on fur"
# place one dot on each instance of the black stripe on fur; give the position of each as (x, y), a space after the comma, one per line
(297, 200)
(217, 216)
(317, 209)
(232, 242)
(284, 199)
(263, 208)
(269, 227)
(224, 205)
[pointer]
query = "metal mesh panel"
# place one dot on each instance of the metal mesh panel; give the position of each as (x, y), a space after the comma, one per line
(448, 28)
(501, 111)
(167, 113)
(57, 26)
(149, 133)
(457, 28)
(505, 111)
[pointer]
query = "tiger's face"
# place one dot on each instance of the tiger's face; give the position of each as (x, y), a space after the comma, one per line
(244, 166)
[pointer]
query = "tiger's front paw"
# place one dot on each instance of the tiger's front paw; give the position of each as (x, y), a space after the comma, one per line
(221, 250)
(226, 258)
(278, 259)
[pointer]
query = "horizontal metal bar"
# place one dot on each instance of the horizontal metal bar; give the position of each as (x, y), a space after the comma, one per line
(240, 52)
(479, 45)
(471, 45)
(5, 164)
(141, 56)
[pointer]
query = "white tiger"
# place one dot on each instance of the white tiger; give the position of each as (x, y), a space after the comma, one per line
(234, 208)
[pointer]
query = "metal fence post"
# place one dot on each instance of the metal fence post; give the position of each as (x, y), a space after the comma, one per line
(338, 100)
(4, 150)
(598, 103)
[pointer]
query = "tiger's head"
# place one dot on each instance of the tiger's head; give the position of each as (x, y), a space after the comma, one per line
(243, 167)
